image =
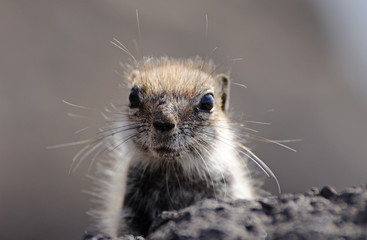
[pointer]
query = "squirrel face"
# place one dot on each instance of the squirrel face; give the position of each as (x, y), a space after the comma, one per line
(175, 107)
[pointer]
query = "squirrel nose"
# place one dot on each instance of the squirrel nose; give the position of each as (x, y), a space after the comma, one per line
(163, 126)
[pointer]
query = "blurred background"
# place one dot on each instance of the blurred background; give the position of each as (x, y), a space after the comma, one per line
(305, 59)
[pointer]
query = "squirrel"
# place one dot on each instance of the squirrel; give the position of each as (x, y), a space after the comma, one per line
(173, 145)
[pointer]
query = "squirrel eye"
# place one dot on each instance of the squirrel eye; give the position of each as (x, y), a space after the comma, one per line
(207, 102)
(134, 99)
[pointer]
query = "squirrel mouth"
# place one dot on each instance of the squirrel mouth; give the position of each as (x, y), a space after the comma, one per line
(166, 151)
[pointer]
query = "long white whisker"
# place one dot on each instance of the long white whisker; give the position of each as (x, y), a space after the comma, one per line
(253, 157)
(79, 106)
(74, 162)
(257, 122)
(286, 140)
(121, 46)
(272, 141)
(62, 145)
(211, 156)
(86, 154)
(120, 128)
(85, 128)
(239, 84)
(122, 142)
(203, 160)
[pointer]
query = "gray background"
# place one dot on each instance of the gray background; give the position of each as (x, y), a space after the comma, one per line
(305, 59)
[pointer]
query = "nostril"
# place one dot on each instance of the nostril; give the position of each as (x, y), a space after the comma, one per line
(163, 126)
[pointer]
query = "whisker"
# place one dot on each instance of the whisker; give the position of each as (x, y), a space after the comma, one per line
(79, 106)
(120, 75)
(228, 127)
(206, 27)
(123, 141)
(239, 84)
(92, 145)
(211, 156)
(122, 47)
(259, 161)
(72, 166)
(80, 154)
(107, 118)
(249, 129)
(225, 62)
(116, 109)
(120, 131)
(257, 122)
(203, 160)
(96, 154)
(251, 155)
(287, 140)
(103, 130)
(70, 144)
(271, 141)
(259, 138)
(137, 48)
(85, 155)
(85, 128)
(140, 39)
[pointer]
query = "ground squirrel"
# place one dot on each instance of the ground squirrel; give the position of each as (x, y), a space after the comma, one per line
(170, 147)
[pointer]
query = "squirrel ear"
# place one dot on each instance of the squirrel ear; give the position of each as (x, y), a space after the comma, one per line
(224, 91)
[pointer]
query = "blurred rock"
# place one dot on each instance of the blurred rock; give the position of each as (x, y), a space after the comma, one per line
(317, 214)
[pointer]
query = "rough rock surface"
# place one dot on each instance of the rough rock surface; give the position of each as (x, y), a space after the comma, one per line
(317, 214)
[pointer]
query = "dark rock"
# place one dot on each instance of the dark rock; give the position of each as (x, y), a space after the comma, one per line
(361, 217)
(317, 214)
(267, 208)
(327, 192)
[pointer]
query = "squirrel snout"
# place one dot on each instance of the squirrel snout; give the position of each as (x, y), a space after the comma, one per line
(164, 118)
(163, 126)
